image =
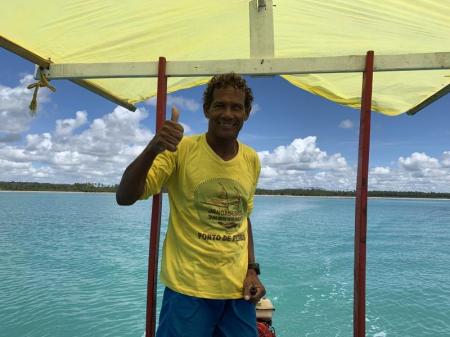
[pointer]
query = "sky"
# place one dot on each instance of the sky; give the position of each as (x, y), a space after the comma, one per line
(303, 140)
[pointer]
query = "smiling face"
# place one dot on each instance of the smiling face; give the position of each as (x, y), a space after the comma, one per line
(226, 114)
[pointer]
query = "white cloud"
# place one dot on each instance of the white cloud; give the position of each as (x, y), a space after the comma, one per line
(446, 159)
(380, 170)
(418, 162)
(98, 154)
(418, 172)
(268, 172)
(302, 164)
(302, 154)
(65, 127)
(187, 128)
(421, 165)
(10, 137)
(346, 124)
(99, 150)
(12, 153)
(39, 142)
(14, 112)
(255, 108)
(182, 103)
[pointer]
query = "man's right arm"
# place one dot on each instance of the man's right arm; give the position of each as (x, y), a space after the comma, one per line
(132, 183)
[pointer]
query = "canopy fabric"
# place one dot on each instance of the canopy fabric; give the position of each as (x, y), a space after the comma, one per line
(90, 31)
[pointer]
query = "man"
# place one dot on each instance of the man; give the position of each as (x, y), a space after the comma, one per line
(208, 263)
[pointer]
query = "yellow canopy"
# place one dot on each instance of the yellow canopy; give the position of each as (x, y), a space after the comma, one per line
(90, 31)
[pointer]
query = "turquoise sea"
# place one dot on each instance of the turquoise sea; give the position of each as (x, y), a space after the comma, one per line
(75, 265)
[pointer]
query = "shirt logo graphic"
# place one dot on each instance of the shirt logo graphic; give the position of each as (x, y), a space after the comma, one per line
(220, 203)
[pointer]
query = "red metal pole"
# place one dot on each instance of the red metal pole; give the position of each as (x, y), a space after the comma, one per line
(359, 297)
(152, 281)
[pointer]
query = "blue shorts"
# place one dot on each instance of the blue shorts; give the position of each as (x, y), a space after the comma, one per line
(187, 316)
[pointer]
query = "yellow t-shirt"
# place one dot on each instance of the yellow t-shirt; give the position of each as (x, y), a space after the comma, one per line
(205, 252)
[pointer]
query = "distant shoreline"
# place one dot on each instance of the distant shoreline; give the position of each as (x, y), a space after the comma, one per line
(49, 191)
(259, 195)
(49, 187)
(346, 197)
(14, 186)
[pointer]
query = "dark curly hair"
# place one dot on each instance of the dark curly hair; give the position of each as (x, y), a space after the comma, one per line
(227, 80)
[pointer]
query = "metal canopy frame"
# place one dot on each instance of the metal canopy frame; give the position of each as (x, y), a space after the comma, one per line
(261, 62)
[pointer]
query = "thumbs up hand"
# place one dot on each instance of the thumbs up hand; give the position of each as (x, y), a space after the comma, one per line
(169, 135)
(175, 114)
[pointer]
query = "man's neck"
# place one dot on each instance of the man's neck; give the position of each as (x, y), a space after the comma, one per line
(225, 148)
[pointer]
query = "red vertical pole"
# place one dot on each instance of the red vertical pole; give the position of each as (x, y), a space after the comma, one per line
(152, 281)
(359, 297)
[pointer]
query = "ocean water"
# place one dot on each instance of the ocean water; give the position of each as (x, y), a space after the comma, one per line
(75, 265)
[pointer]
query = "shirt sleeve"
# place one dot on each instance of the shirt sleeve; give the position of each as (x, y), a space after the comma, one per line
(162, 168)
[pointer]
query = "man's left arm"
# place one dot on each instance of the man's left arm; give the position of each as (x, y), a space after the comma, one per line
(253, 288)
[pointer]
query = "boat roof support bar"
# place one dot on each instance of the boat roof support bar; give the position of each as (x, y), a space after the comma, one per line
(45, 64)
(444, 91)
(359, 285)
(24, 53)
(99, 91)
(155, 224)
(262, 66)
